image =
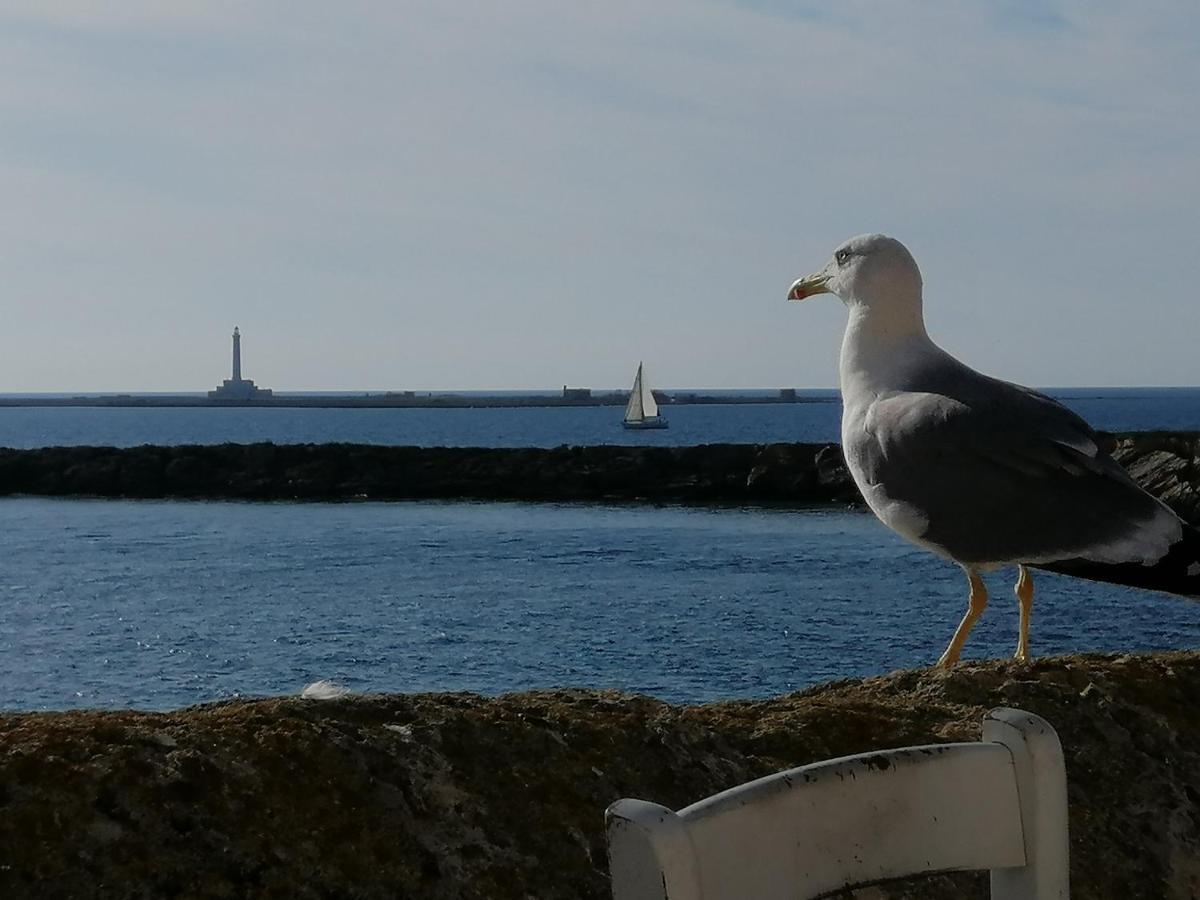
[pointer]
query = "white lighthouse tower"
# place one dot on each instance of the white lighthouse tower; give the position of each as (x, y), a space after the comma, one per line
(237, 388)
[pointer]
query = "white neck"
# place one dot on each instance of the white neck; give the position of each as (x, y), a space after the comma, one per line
(881, 344)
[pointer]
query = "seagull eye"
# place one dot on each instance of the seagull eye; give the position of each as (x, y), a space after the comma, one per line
(841, 256)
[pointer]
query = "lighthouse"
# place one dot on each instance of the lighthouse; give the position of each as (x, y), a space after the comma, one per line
(237, 355)
(238, 389)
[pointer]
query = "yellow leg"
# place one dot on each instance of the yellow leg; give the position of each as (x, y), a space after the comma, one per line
(976, 604)
(1024, 592)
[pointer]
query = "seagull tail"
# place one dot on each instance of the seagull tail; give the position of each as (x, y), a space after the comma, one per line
(1176, 573)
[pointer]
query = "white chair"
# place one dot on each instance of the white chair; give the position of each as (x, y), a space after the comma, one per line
(1000, 804)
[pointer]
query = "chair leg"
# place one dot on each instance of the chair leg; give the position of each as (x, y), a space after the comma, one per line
(976, 603)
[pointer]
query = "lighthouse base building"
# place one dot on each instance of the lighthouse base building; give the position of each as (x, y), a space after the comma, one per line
(237, 387)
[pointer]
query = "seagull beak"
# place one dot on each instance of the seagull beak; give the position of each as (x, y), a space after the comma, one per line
(809, 285)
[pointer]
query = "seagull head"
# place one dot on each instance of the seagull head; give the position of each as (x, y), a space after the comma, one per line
(868, 270)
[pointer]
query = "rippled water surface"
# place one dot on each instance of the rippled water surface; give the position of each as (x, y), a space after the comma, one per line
(164, 604)
(1114, 409)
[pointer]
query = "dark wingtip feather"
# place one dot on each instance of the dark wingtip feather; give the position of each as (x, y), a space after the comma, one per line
(1176, 573)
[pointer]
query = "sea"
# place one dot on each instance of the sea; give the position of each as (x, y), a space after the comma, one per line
(164, 604)
(814, 419)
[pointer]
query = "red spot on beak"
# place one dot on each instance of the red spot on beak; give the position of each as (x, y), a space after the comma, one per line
(807, 287)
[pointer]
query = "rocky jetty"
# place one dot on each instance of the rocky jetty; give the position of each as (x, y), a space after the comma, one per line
(460, 796)
(707, 473)
(1168, 464)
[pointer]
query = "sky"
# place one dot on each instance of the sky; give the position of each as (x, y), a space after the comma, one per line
(470, 195)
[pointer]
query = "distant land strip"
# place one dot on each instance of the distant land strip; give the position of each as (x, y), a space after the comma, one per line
(570, 397)
(1165, 463)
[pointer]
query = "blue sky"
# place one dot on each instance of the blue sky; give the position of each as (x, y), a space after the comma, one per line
(522, 195)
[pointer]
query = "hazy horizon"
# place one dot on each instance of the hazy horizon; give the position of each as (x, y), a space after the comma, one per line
(596, 389)
(452, 197)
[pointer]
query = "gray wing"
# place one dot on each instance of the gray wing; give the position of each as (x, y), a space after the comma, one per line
(1004, 474)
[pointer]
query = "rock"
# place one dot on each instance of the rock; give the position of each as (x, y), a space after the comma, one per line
(832, 473)
(1167, 464)
(461, 796)
(323, 690)
(783, 472)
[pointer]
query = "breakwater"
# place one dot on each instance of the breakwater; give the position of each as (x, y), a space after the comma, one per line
(732, 473)
(1165, 463)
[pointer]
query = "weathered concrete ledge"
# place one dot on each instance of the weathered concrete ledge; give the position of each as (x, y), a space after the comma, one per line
(1168, 464)
(460, 796)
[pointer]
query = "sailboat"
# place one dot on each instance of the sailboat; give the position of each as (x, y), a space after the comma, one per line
(642, 411)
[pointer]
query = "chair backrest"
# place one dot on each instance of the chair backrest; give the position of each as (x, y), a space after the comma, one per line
(1000, 804)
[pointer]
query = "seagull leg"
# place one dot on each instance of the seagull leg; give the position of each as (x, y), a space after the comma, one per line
(1024, 592)
(976, 603)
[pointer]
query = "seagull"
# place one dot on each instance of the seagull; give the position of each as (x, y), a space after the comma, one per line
(980, 471)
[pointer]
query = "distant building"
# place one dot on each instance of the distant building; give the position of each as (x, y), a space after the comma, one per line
(570, 393)
(237, 387)
(787, 394)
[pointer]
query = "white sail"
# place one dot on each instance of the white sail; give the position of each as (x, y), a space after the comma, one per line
(642, 411)
(635, 411)
(649, 406)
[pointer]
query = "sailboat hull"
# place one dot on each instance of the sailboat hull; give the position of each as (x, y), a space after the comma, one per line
(642, 424)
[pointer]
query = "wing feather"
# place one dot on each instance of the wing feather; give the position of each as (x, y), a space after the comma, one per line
(1004, 474)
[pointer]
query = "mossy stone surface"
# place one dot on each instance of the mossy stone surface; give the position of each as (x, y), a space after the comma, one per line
(462, 796)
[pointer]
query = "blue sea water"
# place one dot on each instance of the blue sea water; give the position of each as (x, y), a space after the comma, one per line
(1113, 409)
(163, 604)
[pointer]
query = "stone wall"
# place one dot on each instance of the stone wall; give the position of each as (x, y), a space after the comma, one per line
(459, 796)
